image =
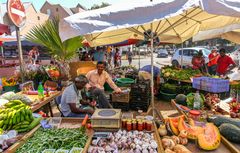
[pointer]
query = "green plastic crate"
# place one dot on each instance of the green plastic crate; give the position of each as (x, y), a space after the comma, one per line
(124, 82)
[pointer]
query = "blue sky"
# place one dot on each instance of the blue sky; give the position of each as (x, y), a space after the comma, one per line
(67, 3)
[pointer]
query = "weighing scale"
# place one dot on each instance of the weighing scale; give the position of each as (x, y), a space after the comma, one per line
(106, 118)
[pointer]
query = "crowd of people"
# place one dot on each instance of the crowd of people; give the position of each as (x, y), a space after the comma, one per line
(219, 63)
(113, 55)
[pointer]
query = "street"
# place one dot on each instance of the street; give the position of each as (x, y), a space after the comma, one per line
(159, 62)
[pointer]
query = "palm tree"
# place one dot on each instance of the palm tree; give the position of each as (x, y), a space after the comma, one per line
(48, 36)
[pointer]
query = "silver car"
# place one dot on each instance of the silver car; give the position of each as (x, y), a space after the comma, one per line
(187, 55)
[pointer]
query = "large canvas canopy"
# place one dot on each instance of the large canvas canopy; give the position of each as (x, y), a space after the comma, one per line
(173, 20)
(231, 33)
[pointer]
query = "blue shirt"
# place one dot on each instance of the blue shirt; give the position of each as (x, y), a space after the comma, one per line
(147, 68)
(98, 56)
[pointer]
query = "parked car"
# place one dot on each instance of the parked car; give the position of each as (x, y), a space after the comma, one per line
(162, 53)
(186, 54)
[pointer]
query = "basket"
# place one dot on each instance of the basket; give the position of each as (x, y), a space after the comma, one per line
(214, 85)
(124, 82)
(167, 96)
(51, 85)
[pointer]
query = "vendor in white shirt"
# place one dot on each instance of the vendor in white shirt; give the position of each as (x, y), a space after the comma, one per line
(97, 79)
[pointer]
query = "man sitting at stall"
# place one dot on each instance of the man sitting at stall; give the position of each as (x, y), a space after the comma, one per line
(97, 79)
(72, 102)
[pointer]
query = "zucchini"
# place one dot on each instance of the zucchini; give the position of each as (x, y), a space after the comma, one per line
(219, 119)
(34, 123)
(230, 132)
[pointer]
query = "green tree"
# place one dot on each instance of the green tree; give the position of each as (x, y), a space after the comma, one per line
(48, 36)
(96, 6)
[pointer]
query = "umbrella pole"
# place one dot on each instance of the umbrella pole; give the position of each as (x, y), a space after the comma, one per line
(1, 47)
(139, 56)
(182, 57)
(21, 63)
(152, 73)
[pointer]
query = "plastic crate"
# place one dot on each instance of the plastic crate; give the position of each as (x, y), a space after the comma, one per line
(124, 82)
(211, 84)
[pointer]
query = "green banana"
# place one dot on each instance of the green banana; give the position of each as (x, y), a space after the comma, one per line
(1, 123)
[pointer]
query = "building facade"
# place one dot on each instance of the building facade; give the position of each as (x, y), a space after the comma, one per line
(57, 10)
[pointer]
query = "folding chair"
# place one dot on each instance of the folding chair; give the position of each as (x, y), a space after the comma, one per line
(57, 101)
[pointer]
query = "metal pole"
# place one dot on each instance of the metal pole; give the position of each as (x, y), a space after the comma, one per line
(152, 73)
(21, 62)
(2, 54)
(182, 57)
(139, 64)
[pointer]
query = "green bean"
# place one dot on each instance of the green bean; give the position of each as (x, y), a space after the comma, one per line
(54, 139)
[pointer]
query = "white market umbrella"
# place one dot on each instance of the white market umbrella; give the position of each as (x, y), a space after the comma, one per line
(231, 33)
(174, 21)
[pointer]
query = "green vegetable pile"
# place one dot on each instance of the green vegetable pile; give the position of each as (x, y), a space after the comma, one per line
(179, 74)
(54, 139)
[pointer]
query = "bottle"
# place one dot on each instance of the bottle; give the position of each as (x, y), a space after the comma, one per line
(40, 91)
(197, 100)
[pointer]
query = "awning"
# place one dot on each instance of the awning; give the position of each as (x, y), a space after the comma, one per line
(4, 29)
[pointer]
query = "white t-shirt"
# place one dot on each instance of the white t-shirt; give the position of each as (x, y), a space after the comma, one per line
(70, 95)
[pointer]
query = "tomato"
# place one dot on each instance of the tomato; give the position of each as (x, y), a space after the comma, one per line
(89, 125)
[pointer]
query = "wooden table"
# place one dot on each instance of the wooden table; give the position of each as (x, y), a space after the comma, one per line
(65, 123)
(234, 148)
(38, 104)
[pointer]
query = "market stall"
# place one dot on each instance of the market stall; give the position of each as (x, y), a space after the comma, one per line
(231, 146)
(127, 133)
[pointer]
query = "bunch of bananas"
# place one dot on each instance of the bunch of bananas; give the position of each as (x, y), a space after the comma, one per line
(9, 82)
(15, 115)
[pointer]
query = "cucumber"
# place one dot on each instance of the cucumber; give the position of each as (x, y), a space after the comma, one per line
(34, 123)
(230, 132)
(218, 120)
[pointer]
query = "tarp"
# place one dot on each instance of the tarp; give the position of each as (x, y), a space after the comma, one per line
(173, 20)
(231, 33)
(4, 29)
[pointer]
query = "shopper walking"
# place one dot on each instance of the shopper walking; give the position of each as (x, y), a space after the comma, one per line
(129, 56)
(33, 55)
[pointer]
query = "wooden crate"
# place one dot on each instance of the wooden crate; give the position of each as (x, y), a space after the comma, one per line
(154, 131)
(225, 146)
(67, 122)
(122, 97)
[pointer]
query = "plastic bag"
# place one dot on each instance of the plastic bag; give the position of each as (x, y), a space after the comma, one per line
(234, 76)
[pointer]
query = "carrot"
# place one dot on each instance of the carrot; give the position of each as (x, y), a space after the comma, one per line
(85, 120)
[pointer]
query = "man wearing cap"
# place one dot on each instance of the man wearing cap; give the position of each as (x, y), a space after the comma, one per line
(212, 64)
(72, 102)
(224, 63)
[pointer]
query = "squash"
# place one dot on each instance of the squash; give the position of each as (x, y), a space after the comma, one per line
(219, 119)
(172, 124)
(210, 139)
(230, 132)
(192, 131)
